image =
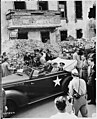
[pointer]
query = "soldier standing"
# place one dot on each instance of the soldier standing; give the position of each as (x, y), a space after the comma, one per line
(77, 90)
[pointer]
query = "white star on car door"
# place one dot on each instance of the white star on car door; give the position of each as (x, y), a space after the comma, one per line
(57, 81)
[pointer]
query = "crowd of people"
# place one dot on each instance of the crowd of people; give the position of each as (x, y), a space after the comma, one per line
(86, 67)
(38, 57)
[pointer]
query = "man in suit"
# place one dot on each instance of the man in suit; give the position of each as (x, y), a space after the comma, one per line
(92, 81)
(61, 67)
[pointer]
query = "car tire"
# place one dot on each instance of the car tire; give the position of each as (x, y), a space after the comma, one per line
(65, 84)
(11, 108)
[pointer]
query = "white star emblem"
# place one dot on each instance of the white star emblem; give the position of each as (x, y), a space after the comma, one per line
(57, 81)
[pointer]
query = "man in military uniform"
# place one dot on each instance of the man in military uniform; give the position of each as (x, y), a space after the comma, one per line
(77, 91)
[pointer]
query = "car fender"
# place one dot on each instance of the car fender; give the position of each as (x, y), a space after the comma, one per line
(17, 97)
(65, 84)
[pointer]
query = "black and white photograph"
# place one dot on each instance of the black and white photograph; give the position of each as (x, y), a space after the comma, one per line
(48, 59)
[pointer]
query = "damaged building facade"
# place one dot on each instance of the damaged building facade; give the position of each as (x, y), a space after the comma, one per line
(46, 21)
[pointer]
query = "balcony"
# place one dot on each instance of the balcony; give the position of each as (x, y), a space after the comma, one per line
(32, 19)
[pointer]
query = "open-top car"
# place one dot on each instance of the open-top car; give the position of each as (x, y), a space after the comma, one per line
(25, 87)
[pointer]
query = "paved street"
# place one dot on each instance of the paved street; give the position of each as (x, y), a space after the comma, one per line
(45, 109)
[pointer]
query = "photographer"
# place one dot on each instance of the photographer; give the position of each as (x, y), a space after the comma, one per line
(61, 105)
(77, 90)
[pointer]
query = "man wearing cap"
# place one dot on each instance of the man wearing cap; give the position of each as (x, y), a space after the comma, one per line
(61, 67)
(77, 91)
(55, 67)
(61, 104)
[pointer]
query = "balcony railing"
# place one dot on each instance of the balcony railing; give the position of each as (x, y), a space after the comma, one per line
(32, 19)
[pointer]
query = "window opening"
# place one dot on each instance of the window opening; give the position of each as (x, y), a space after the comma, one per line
(20, 5)
(79, 33)
(92, 13)
(63, 9)
(45, 36)
(22, 35)
(63, 35)
(43, 5)
(78, 9)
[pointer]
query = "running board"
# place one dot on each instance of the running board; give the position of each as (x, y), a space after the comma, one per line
(44, 98)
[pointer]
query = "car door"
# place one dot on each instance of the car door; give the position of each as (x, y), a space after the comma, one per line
(44, 86)
(38, 87)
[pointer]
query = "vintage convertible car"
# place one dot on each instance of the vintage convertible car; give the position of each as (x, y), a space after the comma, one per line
(24, 88)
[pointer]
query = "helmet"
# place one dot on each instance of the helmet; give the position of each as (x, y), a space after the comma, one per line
(75, 72)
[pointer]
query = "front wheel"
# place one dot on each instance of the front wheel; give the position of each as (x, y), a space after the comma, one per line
(11, 108)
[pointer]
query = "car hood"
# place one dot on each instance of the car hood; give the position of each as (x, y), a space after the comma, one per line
(14, 78)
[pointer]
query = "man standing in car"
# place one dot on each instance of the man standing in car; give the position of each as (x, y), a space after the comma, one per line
(77, 91)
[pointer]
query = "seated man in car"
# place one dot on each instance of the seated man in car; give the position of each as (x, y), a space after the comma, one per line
(55, 67)
(46, 69)
(61, 67)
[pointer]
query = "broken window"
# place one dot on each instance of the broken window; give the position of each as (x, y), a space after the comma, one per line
(45, 36)
(22, 35)
(43, 5)
(79, 33)
(63, 35)
(19, 4)
(63, 9)
(92, 13)
(78, 9)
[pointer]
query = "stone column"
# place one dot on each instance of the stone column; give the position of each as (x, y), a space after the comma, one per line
(71, 18)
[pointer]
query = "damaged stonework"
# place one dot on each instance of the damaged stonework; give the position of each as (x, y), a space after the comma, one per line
(91, 28)
(52, 23)
(32, 24)
(32, 19)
